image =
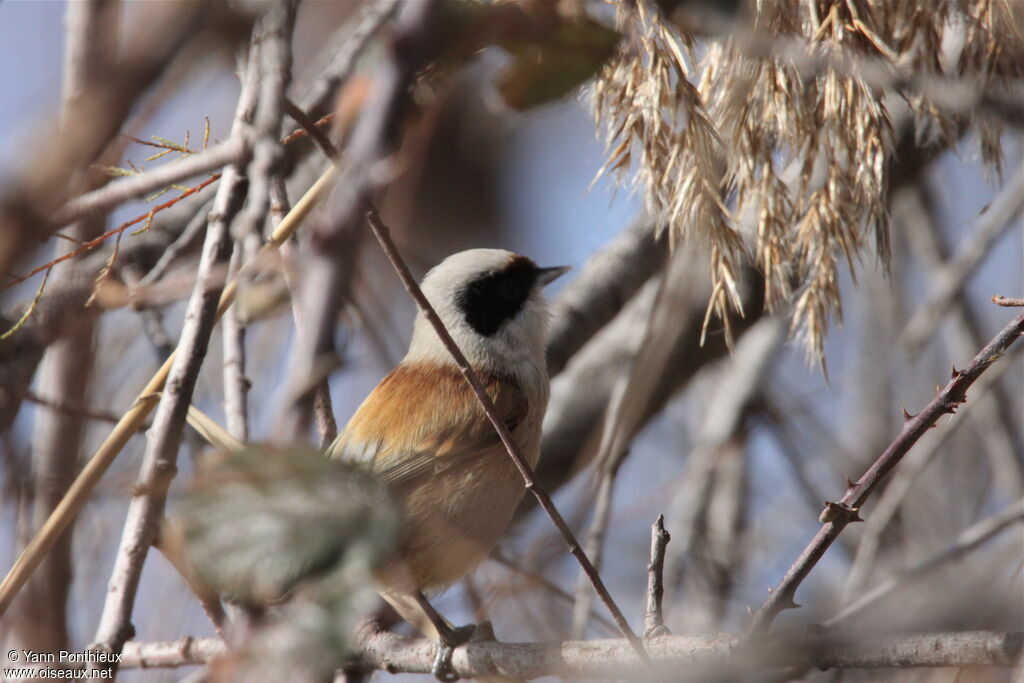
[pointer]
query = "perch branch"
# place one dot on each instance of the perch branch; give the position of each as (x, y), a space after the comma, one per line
(605, 659)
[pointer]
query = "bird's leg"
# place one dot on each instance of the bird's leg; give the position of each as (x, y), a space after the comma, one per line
(450, 638)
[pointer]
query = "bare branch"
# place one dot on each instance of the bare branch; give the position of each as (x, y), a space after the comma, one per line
(133, 419)
(235, 150)
(891, 499)
(603, 659)
(342, 63)
(916, 212)
(837, 516)
(602, 287)
(328, 272)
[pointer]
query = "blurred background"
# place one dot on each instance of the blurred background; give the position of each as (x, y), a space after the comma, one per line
(737, 449)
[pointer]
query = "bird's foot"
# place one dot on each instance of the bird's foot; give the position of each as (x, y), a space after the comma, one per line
(451, 638)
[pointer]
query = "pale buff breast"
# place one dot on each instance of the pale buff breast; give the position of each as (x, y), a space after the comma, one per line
(480, 499)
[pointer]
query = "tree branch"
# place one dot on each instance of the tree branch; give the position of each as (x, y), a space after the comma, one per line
(235, 150)
(605, 659)
(837, 516)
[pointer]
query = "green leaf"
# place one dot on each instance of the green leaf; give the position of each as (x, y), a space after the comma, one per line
(263, 524)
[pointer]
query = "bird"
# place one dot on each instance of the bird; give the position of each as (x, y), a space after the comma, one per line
(424, 434)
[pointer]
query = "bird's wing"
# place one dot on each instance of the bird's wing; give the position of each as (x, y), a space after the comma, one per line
(423, 418)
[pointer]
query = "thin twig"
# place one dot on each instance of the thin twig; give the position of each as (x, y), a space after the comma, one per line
(342, 63)
(208, 600)
(654, 619)
(550, 586)
(891, 499)
(973, 537)
(594, 547)
(188, 237)
(837, 516)
(997, 217)
(915, 209)
(232, 151)
(312, 130)
(75, 409)
(604, 659)
(1000, 300)
(380, 231)
(323, 409)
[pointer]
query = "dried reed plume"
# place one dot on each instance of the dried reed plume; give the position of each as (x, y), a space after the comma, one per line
(762, 153)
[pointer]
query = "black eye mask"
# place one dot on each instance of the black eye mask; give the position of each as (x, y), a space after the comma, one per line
(490, 300)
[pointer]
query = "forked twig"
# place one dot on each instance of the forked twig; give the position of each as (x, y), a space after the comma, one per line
(383, 236)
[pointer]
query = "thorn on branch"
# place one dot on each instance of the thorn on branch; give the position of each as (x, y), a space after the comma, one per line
(839, 512)
(907, 417)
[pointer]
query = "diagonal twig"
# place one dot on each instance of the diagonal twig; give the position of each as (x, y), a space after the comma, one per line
(837, 516)
(380, 231)
(969, 539)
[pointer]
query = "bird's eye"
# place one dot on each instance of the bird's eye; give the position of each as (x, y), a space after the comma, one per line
(508, 290)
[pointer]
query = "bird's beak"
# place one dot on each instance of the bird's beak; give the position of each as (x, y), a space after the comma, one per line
(548, 275)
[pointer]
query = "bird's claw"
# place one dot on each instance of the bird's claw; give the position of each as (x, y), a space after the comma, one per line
(443, 669)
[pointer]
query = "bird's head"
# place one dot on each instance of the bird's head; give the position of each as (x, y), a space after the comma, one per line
(492, 303)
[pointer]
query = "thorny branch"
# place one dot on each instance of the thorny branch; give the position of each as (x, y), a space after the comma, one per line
(837, 516)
